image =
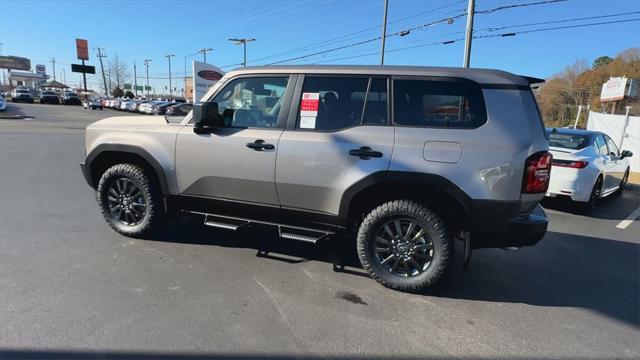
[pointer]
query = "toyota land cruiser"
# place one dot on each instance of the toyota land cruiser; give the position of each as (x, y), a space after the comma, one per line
(407, 157)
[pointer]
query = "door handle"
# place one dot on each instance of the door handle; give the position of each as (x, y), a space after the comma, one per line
(365, 153)
(260, 145)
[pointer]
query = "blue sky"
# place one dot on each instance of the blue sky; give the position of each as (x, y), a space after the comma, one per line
(139, 29)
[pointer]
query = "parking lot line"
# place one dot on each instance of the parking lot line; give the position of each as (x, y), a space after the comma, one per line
(626, 222)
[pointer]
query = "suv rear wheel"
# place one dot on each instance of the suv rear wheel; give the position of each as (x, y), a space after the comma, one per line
(128, 200)
(404, 246)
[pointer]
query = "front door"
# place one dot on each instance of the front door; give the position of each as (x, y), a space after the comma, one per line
(337, 134)
(237, 161)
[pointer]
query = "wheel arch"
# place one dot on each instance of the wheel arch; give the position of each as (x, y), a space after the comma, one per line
(434, 191)
(106, 155)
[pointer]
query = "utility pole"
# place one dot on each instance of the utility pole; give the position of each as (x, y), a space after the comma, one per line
(384, 31)
(109, 75)
(244, 42)
(135, 79)
(53, 62)
(146, 64)
(204, 52)
(104, 78)
(64, 77)
(169, 56)
(469, 34)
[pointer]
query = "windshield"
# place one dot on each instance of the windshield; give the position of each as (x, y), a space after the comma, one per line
(568, 141)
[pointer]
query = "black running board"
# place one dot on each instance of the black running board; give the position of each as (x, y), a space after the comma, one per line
(284, 231)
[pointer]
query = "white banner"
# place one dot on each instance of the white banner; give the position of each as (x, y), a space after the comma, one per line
(613, 126)
(204, 77)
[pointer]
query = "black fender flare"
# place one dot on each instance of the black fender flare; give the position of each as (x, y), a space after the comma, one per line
(405, 177)
(122, 148)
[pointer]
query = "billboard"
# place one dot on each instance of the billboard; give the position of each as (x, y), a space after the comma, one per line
(79, 68)
(41, 69)
(613, 89)
(204, 77)
(15, 63)
(82, 49)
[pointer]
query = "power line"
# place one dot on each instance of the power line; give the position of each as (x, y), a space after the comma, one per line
(351, 35)
(451, 41)
(417, 27)
(558, 21)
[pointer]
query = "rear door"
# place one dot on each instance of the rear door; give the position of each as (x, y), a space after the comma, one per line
(237, 162)
(607, 164)
(617, 165)
(338, 133)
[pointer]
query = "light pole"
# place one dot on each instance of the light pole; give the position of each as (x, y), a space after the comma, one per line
(204, 52)
(244, 42)
(384, 31)
(169, 56)
(146, 64)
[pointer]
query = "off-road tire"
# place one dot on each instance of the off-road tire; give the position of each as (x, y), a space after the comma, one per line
(435, 230)
(152, 197)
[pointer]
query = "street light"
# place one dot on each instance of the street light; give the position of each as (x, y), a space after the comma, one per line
(146, 64)
(244, 42)
(169, 56)
(204, 52)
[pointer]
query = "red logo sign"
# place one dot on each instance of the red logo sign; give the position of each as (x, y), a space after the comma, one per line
(209, 75)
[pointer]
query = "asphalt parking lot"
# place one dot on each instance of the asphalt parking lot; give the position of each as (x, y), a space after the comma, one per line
(72, 287)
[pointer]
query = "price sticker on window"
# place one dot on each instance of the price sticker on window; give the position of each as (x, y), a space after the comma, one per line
(309, 104)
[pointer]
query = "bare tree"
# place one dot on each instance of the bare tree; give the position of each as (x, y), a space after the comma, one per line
(119, 70)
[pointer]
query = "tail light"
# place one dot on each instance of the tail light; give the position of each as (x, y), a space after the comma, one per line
(537, 172)
(570, 164)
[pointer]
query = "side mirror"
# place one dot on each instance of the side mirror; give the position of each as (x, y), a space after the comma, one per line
(626, 153)
(205, 117)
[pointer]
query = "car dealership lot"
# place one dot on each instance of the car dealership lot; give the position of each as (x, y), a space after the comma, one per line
(68, 283)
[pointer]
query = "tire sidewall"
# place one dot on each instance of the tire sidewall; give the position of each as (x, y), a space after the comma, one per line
(140, 180)
(372, 264)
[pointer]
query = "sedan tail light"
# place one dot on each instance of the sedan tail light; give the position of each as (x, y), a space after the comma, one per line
(570, 164)
(537, 173)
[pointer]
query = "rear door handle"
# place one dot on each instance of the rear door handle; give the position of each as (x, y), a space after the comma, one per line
(260, 145)
(365, 153)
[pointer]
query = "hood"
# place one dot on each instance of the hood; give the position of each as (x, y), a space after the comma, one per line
(130, 123)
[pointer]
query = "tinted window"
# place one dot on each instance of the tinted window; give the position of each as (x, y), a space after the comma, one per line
(613, 149)
(600, 145)
(438, 104)
(332, 103)
(252, 102)
(568, 141)
(375, 111)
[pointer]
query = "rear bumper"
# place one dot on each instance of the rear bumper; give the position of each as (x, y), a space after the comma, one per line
(498, 231)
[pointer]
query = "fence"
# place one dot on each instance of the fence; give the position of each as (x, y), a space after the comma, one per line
(613, 125)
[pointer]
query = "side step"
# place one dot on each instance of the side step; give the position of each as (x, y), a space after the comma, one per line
(224, 223)
(285, 231)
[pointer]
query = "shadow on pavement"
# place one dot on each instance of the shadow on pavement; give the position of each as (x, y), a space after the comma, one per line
(14, 113)
(45, 354)
(613, 207)
(563, 270)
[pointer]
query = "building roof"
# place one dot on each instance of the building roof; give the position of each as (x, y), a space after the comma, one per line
(483, 76)
(54, 84)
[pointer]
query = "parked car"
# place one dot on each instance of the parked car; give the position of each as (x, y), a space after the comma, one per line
(454, 152)
(3, 104)
(147, 108)
(22, 95)
(179, 109)
(93, 104)
(139, 103)
(49, 97)
(587, 166)
(71, 98)
(161, 109)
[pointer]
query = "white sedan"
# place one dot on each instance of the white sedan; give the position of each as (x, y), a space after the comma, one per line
(587, 165)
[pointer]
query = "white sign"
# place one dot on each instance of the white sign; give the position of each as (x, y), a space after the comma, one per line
(204, 77)
(613, 89)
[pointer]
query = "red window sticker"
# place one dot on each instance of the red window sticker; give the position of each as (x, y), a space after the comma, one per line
(309, 104)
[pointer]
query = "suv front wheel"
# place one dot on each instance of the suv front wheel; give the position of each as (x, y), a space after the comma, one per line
(128, 200)
(404, 246)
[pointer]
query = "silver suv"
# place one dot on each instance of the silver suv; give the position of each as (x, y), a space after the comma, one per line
(408, 157)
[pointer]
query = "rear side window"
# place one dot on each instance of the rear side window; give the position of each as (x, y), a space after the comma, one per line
(332, 103)
(446, 104)
(601, 145)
